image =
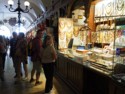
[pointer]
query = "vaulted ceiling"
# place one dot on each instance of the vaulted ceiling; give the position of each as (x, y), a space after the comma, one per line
(8, 18)
(38, 7)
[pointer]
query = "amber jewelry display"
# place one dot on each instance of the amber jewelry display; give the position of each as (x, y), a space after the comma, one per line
(76, 31)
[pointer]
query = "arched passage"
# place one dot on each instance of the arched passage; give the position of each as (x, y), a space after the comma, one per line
(4, 31)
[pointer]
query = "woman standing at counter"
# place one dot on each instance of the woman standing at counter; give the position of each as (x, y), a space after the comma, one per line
(48, 59)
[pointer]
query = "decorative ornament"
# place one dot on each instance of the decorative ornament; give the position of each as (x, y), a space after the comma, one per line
(5, 20)
(12, 21)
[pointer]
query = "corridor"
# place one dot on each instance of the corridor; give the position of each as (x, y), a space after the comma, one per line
(9, 87)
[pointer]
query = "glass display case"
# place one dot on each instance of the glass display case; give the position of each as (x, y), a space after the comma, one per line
(108, 52)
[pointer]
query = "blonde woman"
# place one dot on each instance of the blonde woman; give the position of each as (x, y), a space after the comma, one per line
(48, 59)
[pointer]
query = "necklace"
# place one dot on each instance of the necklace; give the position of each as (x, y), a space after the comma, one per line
(62, 35)
(119, 5)
(69, 26)
(109, 8)
(62, 24)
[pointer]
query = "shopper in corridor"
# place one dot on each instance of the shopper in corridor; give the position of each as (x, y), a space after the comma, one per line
(48, 59)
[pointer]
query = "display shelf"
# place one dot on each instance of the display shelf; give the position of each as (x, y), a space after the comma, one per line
(114, 16)
(104, 30)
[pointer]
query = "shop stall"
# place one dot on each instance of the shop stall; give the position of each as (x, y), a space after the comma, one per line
(93, 61)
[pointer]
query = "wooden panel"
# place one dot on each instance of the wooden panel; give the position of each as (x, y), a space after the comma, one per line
(96, 1)
(62, 66)
(116, 88)
(71, 72)
(95, 83)
(91, 23)
(75, 75)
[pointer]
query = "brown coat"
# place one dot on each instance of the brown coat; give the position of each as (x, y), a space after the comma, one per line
(21, 49)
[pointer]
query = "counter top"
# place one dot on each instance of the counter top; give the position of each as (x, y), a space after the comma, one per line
(82, 60)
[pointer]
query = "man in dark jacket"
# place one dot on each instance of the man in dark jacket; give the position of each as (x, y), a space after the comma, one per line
(13, 43)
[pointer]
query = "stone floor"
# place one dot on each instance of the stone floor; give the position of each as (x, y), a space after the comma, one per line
(9, 87)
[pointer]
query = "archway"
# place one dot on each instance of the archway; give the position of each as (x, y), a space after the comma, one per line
(4, 31)
(20, 29)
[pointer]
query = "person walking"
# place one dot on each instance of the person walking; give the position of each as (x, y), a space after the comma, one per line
(36, 57)
(2, 51)
(49, 57)
(21, 56)
(13, 43)
(5, 52)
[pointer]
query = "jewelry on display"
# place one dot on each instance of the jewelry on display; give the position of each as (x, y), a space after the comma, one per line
(120, 6)
(109, 9)
(62, 35)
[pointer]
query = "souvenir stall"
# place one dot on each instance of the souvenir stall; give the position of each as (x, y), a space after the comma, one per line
(93, 61)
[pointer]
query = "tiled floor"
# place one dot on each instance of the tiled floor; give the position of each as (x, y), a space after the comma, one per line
(9, 87)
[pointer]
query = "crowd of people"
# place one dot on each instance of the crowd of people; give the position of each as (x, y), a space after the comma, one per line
(42, 52)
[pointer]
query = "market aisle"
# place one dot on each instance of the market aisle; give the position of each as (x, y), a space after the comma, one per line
(8, 86)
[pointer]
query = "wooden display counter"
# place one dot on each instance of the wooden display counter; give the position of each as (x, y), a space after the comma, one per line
(84, 78)
(70, 72)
